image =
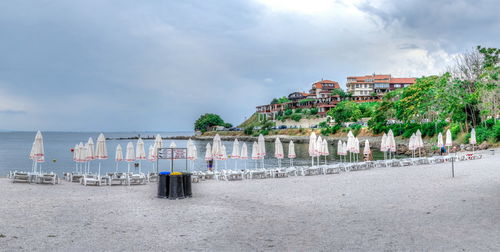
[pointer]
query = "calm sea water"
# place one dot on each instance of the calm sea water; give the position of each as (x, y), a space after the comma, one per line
(15, 148)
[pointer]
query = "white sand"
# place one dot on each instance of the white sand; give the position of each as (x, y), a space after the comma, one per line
(416, 208)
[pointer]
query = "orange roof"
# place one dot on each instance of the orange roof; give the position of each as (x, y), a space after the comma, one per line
(319, 84)
(403, 80)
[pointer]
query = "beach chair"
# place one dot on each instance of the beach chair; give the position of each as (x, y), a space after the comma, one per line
(153, 177)
(20, 177)
(291, 171)
(313, 170)
(77, 178)
(48, 179)
(136, 179)
(118, 178)
(91, 179)
(261, 174)
(405, 162)
(332, 169)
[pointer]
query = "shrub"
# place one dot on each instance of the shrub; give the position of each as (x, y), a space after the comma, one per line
(296, 117)
(298, 110)
(313, 111)
(248, 130)
(288, 112)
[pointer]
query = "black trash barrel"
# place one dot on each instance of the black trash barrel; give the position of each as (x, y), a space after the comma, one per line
(163, 179)
(186, 177)
(176, 187)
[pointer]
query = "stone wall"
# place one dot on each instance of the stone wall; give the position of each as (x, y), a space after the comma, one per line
(303, 123)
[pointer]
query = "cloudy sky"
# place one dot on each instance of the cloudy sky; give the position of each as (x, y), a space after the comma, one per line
(157, 65)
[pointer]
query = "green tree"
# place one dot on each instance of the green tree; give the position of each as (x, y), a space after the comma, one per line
(345, 111)
(208, 120)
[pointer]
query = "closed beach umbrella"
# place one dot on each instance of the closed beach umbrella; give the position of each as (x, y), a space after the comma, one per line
(195, 153)
(224, 156)
(140, 153)
(255, 152)
(344, 149)
(312, 147)
(339, 149)
(262, 146)
(236, 149)
(420, 142)
(90, 152)
(38, 151)
(244, 151)
(75, 156)
(83, 155)
(189, 146)
(130, 154)
(440, 142)
(216, 147)
(151, 153)
(118, 156)
(383, 145)
(291, 152)
(449, 141)
(319, 147)
(278, 149)
(367, 150)
(101, 151)
(208, 152)
(325, 150)
(158, 144)
(391, 142)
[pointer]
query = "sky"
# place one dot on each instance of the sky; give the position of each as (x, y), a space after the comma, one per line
(126, 65)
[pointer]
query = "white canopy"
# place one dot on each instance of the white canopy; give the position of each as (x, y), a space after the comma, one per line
(312, 145)
(326, 152)
(339, 148)
(140, 153)
(81, 152)
(244, 151)
(101, 151)
(291, 150)
(440, 142)
(217, 148)
(90, 149)
(224, 153)
(119, 153)
(383, 143)
(208, 152)
(412, 142)
(391, 142)
(472, 139)
(449, 141)
(151, 153)
(262, 146)
(236, 149)
(38, 149)
(319, 146)
(255, 151)
(278, 149)
(367, 150)
(130, 154)
(75, 153)
(420, 142)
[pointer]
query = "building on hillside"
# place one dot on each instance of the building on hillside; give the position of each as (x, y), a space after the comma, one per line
(319, 96)
(375, 85)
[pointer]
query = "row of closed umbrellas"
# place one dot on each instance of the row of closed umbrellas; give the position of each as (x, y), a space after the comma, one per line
(85, 153)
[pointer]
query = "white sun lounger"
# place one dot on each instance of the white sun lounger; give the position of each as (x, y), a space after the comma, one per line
(21, 177)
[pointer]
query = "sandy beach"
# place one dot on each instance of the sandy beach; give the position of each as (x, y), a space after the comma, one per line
(416, 208)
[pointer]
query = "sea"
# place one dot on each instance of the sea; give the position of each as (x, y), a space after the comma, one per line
(15, 148)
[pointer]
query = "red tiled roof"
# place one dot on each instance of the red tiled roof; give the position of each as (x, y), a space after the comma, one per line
(403, 80)
(319, 84)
